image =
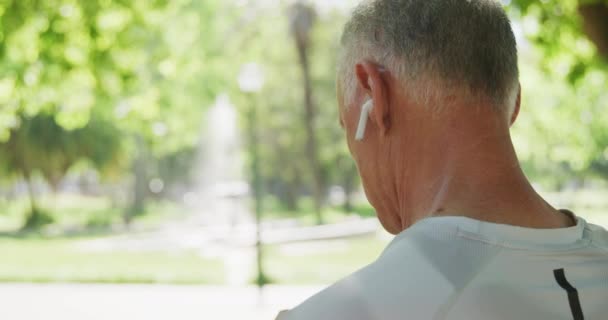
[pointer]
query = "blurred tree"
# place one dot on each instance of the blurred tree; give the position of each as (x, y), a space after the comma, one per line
(595, 23)
(149, 66)
(40, 145)
(301, 21)
(288, 172)
(571, 36)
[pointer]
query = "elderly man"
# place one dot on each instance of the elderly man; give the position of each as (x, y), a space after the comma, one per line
(427, 91)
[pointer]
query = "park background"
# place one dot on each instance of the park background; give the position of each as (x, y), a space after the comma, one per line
(154, 154)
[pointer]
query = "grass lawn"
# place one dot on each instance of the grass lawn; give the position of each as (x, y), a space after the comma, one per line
(321, 262)
(63, 260)
(34, 258)
(31, 257)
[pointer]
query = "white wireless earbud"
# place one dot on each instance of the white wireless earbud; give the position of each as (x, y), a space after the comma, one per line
(365, 110)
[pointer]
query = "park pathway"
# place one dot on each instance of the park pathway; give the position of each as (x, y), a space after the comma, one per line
(149, 302)
(181, 235)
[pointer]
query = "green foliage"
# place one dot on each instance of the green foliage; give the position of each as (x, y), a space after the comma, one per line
(36, 219)
(139, 62)
(40, 145)
(80, 80)
(77, 76)
(73, 213)
(286, 170)
(562, 133)
(555, 27)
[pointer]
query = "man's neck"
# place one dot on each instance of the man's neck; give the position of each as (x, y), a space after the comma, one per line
(477, 174)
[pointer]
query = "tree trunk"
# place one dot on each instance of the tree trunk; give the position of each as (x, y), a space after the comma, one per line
(312, 151)
(140, 190)
(595, 25)
(291, 191)
(34, 216)
(348, 201)
(349, 186)
(54, 178)
(289, 181)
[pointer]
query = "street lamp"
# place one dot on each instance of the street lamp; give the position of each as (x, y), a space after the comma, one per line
(251, 80)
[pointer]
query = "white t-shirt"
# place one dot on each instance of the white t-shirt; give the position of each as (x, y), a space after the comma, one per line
(460, 268)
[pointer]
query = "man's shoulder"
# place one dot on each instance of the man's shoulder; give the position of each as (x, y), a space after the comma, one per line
(358, 296)
(598, 235)
(344, 299)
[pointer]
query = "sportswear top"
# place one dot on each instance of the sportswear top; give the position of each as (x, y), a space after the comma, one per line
(460, 268)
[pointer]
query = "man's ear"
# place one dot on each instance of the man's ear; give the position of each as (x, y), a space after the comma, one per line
(517, 106)
(372, 82)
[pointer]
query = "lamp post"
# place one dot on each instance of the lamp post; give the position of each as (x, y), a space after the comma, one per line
(251, 80)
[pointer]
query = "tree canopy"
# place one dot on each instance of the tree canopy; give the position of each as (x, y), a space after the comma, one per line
(115, 82)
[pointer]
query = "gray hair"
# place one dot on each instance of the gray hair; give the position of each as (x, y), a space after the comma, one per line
(436, 47)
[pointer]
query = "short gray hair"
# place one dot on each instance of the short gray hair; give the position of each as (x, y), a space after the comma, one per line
(463, 44)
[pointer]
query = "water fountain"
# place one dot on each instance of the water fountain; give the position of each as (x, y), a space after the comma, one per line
(219, 197)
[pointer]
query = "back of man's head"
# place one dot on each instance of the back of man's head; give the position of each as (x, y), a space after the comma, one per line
(462, 46)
